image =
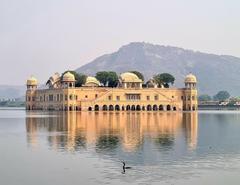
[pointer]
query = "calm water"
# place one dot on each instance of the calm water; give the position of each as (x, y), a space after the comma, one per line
(87, 148)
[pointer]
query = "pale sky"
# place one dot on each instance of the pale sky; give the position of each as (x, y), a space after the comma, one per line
(40, 37)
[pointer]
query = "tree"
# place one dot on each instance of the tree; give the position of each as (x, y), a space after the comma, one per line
(102, 77)
(112, 79)
(221, 96)
(204, 97)
(80, 78)
(107, 78)
(139, 75)
(164, 79)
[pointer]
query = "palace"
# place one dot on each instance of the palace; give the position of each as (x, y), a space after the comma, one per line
(62, 95)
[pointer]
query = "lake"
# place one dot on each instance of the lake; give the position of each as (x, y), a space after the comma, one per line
(89, 147)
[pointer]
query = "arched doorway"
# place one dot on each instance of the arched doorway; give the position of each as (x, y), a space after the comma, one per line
(174, 108)
(133, 107)
(111, 108)
(117, 107)
(168, 107)
(128, 107)
(89, 108)
(155, 107)
(138, 107)
(104, 107)
(160, 107)
(149, 107)
(96, 107)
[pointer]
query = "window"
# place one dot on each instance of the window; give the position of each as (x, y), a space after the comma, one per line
(109, 97)
(189, 97)
(66, 97)
(71, 97)
(50, 97)
(172, 96)
(156, 97)
(96, 95)
(148, 97)
(86, 96)
(181, 97)
(118, 97)
(133, 97)
(76, 97)
(193, 97)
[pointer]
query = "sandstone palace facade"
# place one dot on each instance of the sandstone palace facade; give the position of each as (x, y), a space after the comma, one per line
(62, 95)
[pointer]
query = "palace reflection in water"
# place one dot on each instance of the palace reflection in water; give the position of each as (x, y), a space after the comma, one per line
(108, 131)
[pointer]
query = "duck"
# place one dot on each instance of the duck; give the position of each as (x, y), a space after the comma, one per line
(125, 167)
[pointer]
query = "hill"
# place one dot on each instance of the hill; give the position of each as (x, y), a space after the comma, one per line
(12, 91)
(214, 72)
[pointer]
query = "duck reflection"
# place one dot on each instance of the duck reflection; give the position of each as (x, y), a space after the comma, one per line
(112, 131)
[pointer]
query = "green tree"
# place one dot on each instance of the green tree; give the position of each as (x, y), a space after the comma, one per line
(204, 97)
(140, 75)
(102, 77)
(112, 79)
(221, 96)
(164, 79)
(107, 78)
(80, 78)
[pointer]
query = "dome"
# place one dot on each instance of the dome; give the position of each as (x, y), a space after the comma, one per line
(68, 77)
(32, 81)
(190, 78)
(129, 77)
(92, 81)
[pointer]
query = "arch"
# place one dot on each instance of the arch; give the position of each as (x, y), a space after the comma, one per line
(96, 107)
(104, 107)
(128, 107)
(111, 108)
(155, 107)
(174, 108)
(168, 107)
(143, 107)
(161, 107)
(89, 108)
(117, 107)
(138, 107)
(149, 107)
(123, 108)
(133, 107)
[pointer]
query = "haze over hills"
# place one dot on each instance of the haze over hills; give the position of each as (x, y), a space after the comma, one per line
(214, 72)
(12, 91)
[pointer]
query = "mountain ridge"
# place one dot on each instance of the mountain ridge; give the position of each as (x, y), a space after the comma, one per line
(151, 59)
